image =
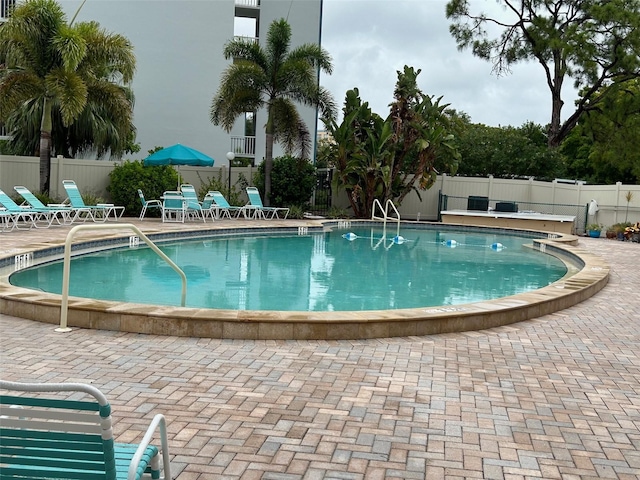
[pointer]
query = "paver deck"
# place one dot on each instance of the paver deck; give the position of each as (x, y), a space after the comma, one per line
(554, 397)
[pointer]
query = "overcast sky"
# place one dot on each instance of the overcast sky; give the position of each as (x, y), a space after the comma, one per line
(369, 40)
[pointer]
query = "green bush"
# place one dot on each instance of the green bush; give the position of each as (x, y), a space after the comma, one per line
(292, 181)
(337, 212)
(296, 212)
(126, 178)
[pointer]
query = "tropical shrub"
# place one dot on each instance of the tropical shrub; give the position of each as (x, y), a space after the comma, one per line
(292, 180)
(233, 194)
(126, 178)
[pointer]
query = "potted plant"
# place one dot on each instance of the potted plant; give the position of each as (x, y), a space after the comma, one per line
(594, 229)
(618, 230)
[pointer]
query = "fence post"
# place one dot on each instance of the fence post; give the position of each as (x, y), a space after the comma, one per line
(58, 179)
(618, 185)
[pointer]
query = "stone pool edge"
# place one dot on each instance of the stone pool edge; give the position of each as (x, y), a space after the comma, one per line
(281, 325)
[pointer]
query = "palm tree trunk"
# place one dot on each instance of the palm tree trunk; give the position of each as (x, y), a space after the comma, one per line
(268, 159)
(45, 147)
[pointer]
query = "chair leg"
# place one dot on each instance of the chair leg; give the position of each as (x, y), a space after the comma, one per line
(144, 210)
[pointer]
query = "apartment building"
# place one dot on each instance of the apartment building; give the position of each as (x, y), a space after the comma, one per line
(179, 50)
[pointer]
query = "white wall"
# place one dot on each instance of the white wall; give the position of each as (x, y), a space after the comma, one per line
(179, 51)
(93, 176)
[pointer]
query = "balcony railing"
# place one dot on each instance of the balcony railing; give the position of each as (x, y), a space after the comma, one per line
(245, 38)
(5, 7)
(244, 146)
(248, 3)
(3, 133)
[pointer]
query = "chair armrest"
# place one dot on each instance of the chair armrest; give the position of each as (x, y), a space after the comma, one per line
(158, 421)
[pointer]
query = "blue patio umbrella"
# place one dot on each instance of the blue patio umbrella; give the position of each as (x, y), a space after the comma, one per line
(179, 155)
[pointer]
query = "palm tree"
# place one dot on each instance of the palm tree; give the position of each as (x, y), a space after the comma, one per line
(273, 78)
(60, 67)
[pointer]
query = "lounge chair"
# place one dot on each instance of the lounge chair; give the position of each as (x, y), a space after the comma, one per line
(10, 220)
(265, 212)
(30, 216)
(209, 207)
(174, 207)
(194, 207)
(146, 204)
(62, 213)
(223, 206)
(98, 213)
(65, 430)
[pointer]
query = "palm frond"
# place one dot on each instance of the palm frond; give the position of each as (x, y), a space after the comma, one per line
(68, 91)
(16, 87)
(241, 90)
(70, 46)
(246, 49)
(289, 129)
(278, 43)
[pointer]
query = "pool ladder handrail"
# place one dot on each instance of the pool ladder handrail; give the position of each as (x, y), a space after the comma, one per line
(385, 213)
(64, 306)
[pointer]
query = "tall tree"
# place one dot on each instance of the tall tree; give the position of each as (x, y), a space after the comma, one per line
(603, 148)
(274, 77)
(593, 42)
(508, 152)
(61, 66)
(385, 159)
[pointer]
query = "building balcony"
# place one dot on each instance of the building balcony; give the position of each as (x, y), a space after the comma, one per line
(7, 5)
(3, 133)
(248, 8)
(245, 38)
(248, 3)
(243, 146)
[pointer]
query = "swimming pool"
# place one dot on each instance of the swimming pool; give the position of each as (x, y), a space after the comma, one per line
(589, 275)
(358, 270)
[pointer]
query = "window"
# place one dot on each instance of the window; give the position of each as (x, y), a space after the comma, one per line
(249, 124)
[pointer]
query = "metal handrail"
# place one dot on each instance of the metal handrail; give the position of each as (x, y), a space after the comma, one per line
(386, 216)
(64, 307)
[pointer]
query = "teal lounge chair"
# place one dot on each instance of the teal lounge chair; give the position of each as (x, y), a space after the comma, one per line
(12, 220)
(223, 207)
(265, 212)
(29, 216)
(174, 207)
(209, 207)
(194, 207)
(146, 204)
(97, 213)
(61, 213)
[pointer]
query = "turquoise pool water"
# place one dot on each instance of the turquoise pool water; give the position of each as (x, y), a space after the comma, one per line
(316, 272)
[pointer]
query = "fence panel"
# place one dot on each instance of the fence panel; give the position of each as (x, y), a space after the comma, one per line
(93, 176)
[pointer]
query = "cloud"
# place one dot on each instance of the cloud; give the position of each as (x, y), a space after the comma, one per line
(369, 40)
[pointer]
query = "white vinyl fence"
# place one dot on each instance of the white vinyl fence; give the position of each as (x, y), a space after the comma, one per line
(93, 177)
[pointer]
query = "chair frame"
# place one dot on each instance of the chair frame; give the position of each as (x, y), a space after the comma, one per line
(266, 213)
(174, 207)
(25, 213)
(223, 206)
(194, 207)
(146, 204)
(98, 213)
(63, 211)
(48, 433)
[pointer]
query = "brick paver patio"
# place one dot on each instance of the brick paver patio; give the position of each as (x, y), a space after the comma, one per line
(556, 397)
